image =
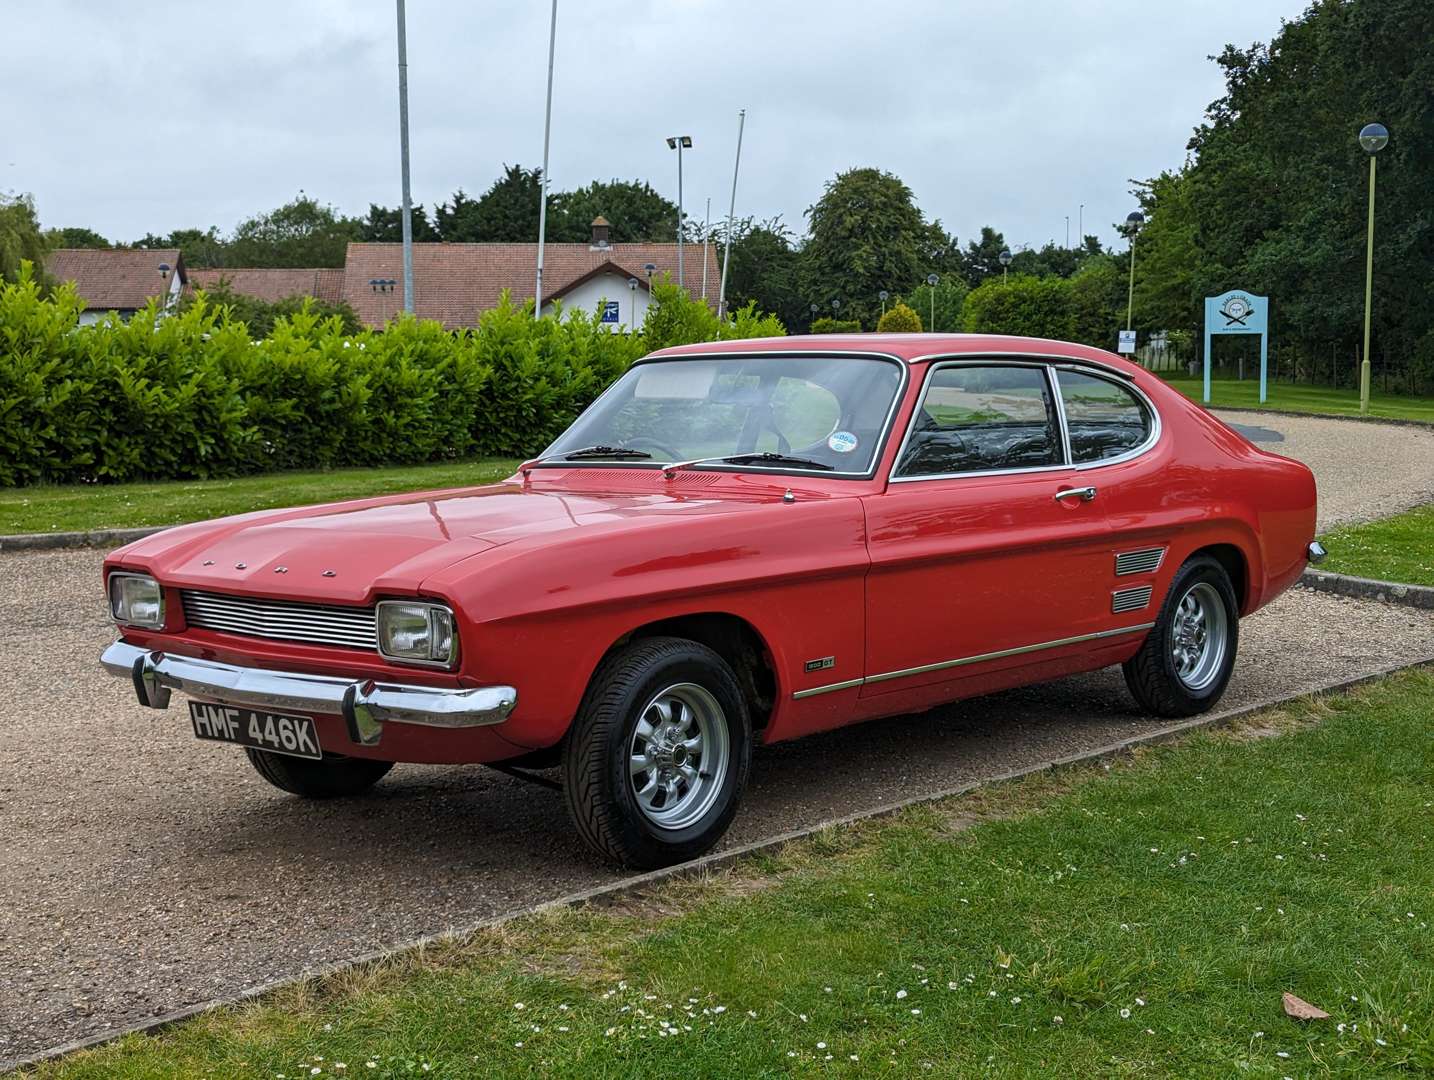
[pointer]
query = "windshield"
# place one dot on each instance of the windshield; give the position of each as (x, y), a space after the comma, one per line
(827, 412)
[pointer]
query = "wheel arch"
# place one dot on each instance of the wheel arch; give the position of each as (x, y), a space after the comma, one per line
(1236, 564)
(731, 637)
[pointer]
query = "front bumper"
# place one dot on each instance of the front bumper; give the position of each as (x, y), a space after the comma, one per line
(365, 705)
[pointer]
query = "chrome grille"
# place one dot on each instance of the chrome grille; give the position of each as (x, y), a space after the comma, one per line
(1123, 600)
(1145, 561)
(282, 620)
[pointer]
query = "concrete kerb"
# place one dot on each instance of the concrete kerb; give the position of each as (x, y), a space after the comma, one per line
(56, 541)
(1390, 592)
(638, 883)
(1400, 421)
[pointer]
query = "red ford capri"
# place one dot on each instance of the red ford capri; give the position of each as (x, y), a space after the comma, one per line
(737, 543)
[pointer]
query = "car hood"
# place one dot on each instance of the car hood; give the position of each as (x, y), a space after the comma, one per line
(352, 552)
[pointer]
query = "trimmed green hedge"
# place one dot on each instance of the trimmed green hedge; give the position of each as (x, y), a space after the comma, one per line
(191, 396)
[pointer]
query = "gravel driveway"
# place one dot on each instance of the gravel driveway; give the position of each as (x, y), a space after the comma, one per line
(142, 870)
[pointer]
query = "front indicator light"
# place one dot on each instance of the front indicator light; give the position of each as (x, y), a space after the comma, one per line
(416, 633)
(137, 600)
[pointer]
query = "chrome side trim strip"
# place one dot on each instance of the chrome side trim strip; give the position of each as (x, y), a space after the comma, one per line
(365, 704)
(963, 661)
(828, 689)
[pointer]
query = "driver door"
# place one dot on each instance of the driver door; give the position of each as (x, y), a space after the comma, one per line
(987, 550)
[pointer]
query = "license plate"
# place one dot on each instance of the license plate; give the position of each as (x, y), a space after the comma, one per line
(275, 732)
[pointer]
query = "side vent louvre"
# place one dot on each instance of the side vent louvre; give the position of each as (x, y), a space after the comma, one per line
(1145, 561)
(1123, 600)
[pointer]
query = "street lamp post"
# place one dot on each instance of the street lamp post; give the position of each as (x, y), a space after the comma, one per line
(679, 143)
(1372, 138)
(815, 309)
(883, 296)
(1005, 259)
(1080, 226)
(931, 280)
(407, 206)
(651, 269)
(632, 310)
(1068, 232)
(1133, 221)
(543, 180)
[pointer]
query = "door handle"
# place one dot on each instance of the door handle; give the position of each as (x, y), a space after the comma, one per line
(1085, 494)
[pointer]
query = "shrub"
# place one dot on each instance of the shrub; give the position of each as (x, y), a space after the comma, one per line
(191, 395)
(828, 325)
(899, 319)
(1027, 306)
(261, 315)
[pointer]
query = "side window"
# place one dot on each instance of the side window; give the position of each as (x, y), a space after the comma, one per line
(1105, 419)
(978, 419)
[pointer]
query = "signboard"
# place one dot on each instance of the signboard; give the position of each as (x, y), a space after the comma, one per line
(611, 312)
(1237, 312)
(1127, 342)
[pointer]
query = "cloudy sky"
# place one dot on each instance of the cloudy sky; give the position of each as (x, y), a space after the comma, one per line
(130, 117)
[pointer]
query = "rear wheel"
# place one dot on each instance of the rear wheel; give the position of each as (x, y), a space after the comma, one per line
(1186, 661)
(330, 778)
(658, 755)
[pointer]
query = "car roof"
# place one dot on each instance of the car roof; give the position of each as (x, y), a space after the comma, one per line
(912, 348)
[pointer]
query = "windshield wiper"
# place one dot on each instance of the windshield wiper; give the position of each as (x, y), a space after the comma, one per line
(622, 452)
(767, 457)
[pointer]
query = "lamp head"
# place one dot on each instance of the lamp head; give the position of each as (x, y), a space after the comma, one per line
(1373, 138)
(1005, 257)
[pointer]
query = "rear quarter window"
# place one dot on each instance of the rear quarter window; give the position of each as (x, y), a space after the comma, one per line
(1104, 419)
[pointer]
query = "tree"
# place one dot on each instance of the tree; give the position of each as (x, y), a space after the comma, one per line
(1097, 300)
(75, 236)
(982, 258)
(866, 234)
(507, 211)
(763, 269)
(1273, 196)
(899, 319)
(385, 225)
(1028, 306)
(1049, 261)
(303, 232)
(636, 212)
(203, 248)
(21, 239)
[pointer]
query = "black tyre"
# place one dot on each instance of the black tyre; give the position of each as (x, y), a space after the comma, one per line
(1186, 661)
(658, 754)
(330, 778)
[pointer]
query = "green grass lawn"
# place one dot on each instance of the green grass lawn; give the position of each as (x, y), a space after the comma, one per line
(102, 506)
(1141, 918)
(1400, 548)
(1287, 397)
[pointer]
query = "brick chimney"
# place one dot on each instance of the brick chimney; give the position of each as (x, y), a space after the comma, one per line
(600, 231)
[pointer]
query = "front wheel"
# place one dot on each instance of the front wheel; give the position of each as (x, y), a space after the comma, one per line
(330, 778)
(658, 754)
(1189, 655)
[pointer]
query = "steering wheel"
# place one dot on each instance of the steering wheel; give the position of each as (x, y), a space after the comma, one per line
(671, 454)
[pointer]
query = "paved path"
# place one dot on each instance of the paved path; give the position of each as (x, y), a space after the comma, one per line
(142, 870)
